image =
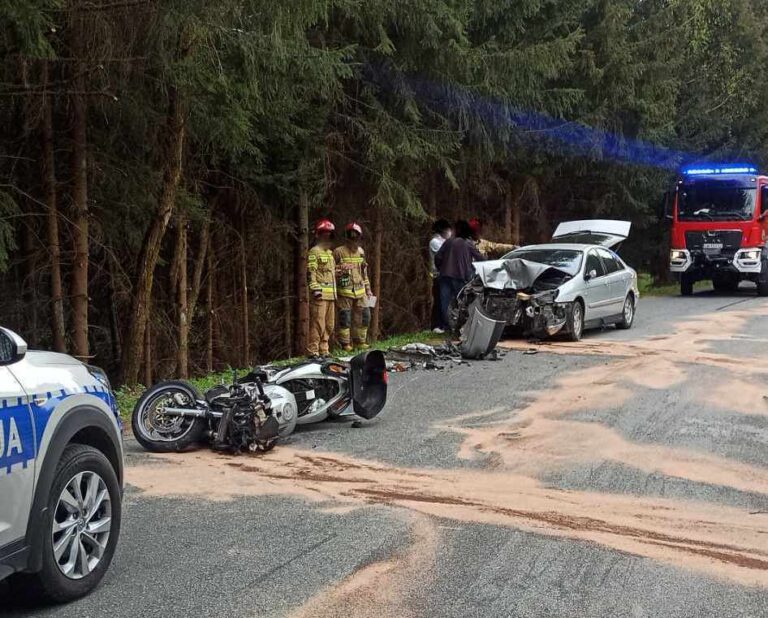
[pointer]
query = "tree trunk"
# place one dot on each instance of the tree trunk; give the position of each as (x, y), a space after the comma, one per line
(150, 250)
(245, 308)
(300, 278)
(197, 273)
(79, 282)
(512, 216)
(48, 177)
(209, 313)
(287, 308)
(432, 197)
(148, 349)
(182, 355)
(114, 320)
(378, 235)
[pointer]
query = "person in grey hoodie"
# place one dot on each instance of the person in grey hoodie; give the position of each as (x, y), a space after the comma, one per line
(454, 264)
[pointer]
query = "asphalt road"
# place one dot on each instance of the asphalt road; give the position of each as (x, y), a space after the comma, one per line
(623, 476)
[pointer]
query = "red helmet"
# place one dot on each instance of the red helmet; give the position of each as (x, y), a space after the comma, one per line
(324, 226)
(475, 225)
(353, 227)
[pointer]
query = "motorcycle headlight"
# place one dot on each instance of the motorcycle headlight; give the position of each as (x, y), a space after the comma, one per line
(750, 255)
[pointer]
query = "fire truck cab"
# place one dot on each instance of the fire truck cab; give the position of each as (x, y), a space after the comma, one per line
(719, 230)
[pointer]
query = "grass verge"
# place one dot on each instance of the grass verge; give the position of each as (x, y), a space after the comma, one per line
(647, 288)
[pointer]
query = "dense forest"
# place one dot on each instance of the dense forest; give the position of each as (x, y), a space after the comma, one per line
(162, 160)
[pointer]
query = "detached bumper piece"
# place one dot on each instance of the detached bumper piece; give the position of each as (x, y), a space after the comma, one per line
(480, 335)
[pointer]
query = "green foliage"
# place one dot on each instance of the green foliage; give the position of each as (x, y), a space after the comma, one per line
(461, 106)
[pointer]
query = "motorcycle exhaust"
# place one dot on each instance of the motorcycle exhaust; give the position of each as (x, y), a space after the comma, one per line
(188, 412)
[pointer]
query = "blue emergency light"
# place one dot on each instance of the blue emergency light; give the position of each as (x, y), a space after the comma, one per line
(715, 170)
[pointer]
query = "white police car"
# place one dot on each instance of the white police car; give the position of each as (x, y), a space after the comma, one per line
(61, 471)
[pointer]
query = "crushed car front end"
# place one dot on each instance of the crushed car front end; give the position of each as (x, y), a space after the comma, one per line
(522, 293)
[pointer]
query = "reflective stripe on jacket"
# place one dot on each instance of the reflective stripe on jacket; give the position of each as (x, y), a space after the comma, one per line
(351, 272)
(321, 272)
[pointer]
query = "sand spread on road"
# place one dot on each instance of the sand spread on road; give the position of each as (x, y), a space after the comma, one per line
(519, 446)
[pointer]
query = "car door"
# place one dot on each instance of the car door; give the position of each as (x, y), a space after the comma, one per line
(597, 295)
(17, 459)
(618, 278)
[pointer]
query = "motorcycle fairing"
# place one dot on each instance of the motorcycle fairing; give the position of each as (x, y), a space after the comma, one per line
(368, 383)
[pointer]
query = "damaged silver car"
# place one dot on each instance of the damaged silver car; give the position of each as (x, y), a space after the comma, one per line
(562, 288)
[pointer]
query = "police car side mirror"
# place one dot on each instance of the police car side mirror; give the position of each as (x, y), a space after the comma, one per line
(12, 347)
(590, 275)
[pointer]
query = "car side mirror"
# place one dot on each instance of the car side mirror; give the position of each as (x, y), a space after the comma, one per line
(12, 347)
(590, 275)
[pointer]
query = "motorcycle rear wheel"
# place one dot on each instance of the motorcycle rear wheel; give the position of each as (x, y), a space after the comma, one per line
(159, 433)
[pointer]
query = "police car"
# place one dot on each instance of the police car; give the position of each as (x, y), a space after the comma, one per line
(61, 471)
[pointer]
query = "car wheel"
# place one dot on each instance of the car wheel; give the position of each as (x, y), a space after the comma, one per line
(81, 525)
(686, 285)
(575, 321)
(627, 313)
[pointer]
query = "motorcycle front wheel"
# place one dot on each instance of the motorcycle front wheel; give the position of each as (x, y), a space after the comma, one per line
(163, 433)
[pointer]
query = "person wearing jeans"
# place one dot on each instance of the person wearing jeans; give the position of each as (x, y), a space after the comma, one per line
(454, 262)
(441, 231)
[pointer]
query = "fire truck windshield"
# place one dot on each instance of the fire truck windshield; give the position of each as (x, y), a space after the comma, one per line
(716, 200)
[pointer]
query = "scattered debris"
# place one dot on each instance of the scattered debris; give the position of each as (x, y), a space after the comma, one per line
(434, 358)
(531, 351)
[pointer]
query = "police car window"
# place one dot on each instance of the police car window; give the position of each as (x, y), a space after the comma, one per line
(611, 263)
(594, 263)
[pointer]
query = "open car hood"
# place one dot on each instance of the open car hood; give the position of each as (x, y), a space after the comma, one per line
(603, 232)
(511, 274)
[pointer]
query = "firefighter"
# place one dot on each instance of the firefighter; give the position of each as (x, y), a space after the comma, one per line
(354, 289)
(321, 276)
(487, 248)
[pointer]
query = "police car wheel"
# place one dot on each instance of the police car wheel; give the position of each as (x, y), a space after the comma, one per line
(82, 524)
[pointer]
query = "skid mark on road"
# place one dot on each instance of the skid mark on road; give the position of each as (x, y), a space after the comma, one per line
(384, 588)
(723, 541)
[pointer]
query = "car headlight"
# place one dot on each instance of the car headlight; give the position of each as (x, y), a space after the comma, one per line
(676, 255)
(750, 255)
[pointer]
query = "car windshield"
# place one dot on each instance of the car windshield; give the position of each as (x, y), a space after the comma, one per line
(568, 260)
(716, 201)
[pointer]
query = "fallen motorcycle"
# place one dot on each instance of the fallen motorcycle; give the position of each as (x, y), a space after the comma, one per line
(257, 409)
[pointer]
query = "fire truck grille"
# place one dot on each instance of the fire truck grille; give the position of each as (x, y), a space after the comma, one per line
(714, 242)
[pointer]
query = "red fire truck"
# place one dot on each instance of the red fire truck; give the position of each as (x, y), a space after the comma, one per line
(719, 219)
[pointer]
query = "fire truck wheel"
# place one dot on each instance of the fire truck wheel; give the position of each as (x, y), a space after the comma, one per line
(762, 281)
(686, 285)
